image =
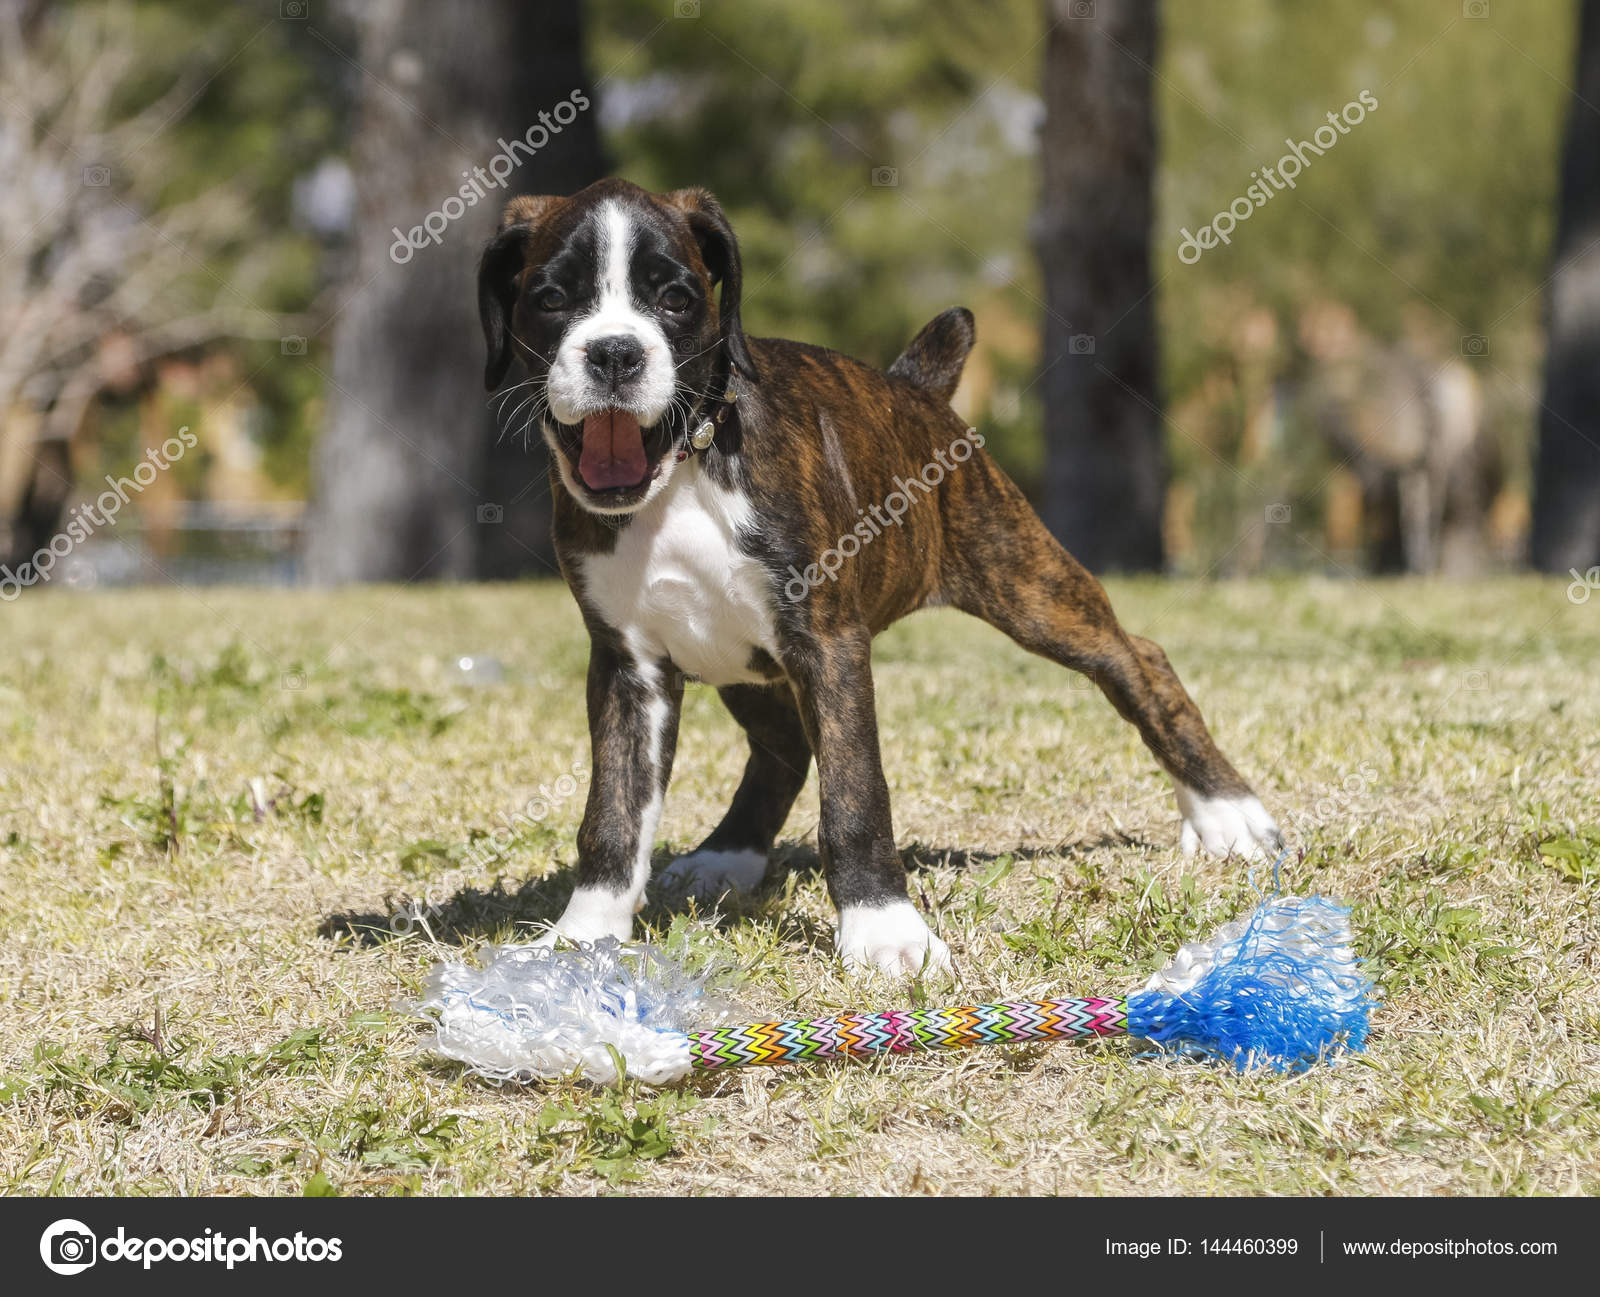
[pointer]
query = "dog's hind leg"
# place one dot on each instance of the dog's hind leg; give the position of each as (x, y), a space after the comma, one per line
(1002, 564)
(735, 855)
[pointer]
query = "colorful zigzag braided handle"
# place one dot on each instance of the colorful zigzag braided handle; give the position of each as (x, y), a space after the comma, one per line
(858, 1035)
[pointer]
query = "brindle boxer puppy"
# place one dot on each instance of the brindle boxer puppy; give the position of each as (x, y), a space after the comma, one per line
(751, 512)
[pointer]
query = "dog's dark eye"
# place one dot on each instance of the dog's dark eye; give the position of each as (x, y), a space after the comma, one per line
(551, 299)
(674, 298)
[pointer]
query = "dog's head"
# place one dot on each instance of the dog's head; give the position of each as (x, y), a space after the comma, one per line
(610, 301)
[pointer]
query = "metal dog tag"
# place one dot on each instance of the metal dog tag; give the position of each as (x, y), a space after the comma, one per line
(701, 438)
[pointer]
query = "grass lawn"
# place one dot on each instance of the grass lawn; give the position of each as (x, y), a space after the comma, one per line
(214, 805)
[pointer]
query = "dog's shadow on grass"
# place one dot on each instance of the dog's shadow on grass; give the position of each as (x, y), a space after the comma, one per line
(920, 857)
(524, 911)
(463, 918)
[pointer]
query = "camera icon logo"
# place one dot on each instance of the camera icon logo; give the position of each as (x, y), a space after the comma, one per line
(1278, 513)
(97, 177)
(292, 680)
(68, 1247)
(1080, 9)
(1474, 344)
(294, 10)
(491, 513)
(886, 177)
(686, 9)
(1080, 344)
(1583, 584)
(292, 346)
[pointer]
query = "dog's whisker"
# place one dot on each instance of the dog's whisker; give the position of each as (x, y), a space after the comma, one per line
(509, 424)
(531, 350)
(696, 355)
(499, 398)
(536, 414)
(527, 400)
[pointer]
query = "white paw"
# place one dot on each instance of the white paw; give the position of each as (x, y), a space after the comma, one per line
(889, 939)
(708, 874)
(1227, 825)
(590, 915)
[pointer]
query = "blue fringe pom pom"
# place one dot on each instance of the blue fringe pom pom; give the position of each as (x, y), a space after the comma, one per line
(1279, 988)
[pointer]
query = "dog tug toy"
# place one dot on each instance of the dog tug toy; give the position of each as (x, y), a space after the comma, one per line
(1280, 988)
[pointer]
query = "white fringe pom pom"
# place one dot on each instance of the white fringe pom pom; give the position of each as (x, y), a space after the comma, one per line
(541, 1013)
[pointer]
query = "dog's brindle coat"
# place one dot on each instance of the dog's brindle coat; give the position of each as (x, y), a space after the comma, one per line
(680, 561)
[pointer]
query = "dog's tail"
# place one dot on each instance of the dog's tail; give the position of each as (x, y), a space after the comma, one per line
(934, 359)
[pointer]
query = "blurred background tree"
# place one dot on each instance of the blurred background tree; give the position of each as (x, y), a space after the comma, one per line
(416, 482)
(1352, 382)
(1105, 474)
(1566, 524)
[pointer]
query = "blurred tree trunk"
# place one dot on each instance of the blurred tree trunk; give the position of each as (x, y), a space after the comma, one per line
(411, 484)
(1104, 467)
(1566, 507)
(547, 65)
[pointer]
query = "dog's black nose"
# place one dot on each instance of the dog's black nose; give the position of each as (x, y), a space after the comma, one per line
(615, 358)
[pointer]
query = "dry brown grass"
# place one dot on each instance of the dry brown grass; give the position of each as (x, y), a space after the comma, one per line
(188, 1005)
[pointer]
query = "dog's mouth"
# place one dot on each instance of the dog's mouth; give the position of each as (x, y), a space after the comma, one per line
(612, 457)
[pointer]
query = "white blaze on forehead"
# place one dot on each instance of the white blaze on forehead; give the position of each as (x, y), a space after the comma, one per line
(616, 255)
(573, 391)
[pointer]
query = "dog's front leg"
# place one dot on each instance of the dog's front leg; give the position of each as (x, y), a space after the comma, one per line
(878, 925)
(633, 731)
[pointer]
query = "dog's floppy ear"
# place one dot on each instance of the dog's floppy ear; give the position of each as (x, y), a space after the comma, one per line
(503, 259)
(720, 251)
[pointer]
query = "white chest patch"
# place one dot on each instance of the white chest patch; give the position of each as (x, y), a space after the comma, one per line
(677, 585)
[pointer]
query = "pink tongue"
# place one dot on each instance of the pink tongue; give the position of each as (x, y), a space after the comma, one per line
(613, 451)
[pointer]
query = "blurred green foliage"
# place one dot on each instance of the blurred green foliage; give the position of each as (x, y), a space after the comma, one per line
(876, 158)
(786, 109)
(1443, 198)
(255, 103)
(1432, 218)
(879, 162)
